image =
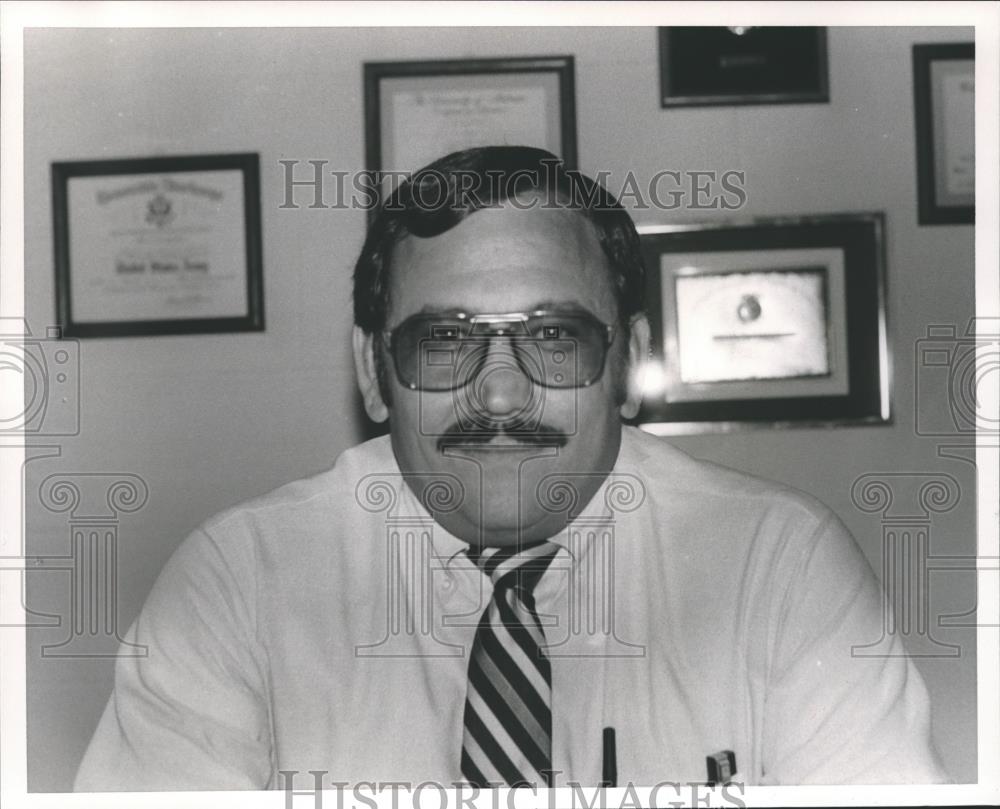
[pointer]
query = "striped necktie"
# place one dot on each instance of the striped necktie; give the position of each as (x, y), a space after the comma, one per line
(507, 737)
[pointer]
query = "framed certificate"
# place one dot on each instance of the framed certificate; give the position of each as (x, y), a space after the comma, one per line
(944, 86)
(163, 245)
(416, 112)
(742, 64)
(770, 323)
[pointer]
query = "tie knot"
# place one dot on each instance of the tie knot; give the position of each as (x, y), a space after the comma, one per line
(515, 566)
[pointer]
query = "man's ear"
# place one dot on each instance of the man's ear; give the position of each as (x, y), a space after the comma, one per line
(638, 355)
(365, 370)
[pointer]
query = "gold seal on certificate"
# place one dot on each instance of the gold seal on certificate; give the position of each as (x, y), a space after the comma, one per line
(158, 246)
(769, 322)
(752, 325)
(761, 323)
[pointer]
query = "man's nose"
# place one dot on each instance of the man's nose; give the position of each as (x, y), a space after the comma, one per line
(501, 387)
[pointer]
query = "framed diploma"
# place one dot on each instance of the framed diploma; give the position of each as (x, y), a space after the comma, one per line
(416, 112)
(776, 322)
(163, 245)
(944, 86)
(742, 64)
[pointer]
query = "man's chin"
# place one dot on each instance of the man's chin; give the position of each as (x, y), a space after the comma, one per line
(500, 465)
(502, 529)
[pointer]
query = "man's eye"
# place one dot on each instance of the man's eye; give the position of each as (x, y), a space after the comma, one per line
(445, 332)
(557, 331)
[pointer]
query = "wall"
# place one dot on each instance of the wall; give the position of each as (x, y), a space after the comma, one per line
(207, 421)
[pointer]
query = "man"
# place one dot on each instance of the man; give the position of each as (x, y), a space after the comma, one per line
(511, 579)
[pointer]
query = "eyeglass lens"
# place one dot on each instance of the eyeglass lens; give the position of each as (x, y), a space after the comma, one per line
(435, 353)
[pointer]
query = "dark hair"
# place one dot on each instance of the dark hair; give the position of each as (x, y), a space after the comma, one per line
(441, 195)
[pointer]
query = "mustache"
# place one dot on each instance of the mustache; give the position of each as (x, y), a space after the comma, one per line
(541, 435)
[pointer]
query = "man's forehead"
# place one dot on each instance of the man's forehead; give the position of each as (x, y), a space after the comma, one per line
(500, 260)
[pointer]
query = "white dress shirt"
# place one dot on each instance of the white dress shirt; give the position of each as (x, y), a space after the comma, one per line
(326, 626)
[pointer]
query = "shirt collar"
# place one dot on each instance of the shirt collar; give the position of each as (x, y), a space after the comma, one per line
(447, 547)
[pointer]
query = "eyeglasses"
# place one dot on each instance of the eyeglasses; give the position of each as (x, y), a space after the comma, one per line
(554, 349)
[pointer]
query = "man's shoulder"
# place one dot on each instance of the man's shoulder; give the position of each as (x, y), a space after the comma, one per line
(673, 475)
(330, 490)
(297, 528)
(725, 528)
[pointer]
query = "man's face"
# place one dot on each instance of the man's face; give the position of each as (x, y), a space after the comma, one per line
(506, 437)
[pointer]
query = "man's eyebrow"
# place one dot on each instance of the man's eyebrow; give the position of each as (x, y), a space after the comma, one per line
(436, 310)
(550, 305)
(564, 306)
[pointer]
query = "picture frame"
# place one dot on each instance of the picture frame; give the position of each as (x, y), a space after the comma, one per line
(416, 112)
(769, 323)
(944, 107)
(730, 65)
(158, 245)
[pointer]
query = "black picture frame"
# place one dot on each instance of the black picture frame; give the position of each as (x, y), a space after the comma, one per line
(720, 65)
(935, 204)
(154, 175)
(555, 77)
(848, 249)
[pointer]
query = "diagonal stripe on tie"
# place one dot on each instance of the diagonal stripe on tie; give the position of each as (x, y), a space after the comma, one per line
(494, 669)
(530, 733)
(525, 617)
(501, 666)
(493, 751)
(476, 765)
(492, 557)
(507, 731)
(526, 637)
(526, 666)
(531, 561)
(508, 720)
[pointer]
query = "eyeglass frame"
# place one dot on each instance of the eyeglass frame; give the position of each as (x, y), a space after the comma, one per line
(387, 335)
